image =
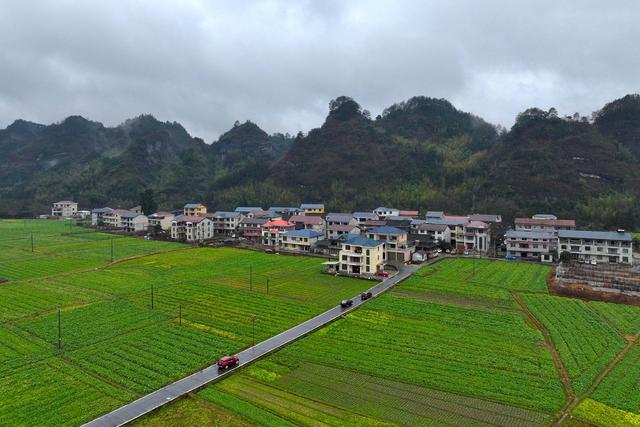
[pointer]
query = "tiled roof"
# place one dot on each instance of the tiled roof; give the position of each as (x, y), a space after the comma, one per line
(477, 224)
(247, 209)
(435, 214)
(520, 234)
(341, 227)
(595, 235)
(224, 214)
(190, 218)
(306, 219)
(303, 233)
(433, 227)
(102, 210)
(364, 241)
(277, 223)
(254, 221)
(485, 217)
(548, 222)
(367, 215)
(129, 214)
(387, 230)
(408, 213)
(312, 206)
(383, 208)
(339, 217)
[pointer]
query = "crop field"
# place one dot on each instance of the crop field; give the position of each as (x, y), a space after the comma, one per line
(133, 326)
(449, 346)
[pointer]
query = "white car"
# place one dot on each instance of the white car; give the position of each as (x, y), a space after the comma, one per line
(593, 262)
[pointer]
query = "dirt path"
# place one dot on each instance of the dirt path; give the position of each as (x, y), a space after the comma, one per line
(564, 376)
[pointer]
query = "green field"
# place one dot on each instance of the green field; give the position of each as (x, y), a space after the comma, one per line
(114, 345)
(449, 346)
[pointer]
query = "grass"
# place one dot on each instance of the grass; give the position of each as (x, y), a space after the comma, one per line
(115, 346)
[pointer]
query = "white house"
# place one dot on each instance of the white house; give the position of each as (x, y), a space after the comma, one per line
(225, 223)
(133, 222)
(97, 216)
(598, 246)
(361, 256)
(299, 240)
(533, 245)
(383, 212)
(191, 228)
(64, 209)
(162, 219)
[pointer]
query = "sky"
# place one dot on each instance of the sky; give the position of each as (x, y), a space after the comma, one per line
(207, 64)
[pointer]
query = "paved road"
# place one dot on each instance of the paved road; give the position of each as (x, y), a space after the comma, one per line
(148, 403)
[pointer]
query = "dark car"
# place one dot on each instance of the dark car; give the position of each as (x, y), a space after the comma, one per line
(365, 295)
(382, 274)
(228, 362)
(346, 303)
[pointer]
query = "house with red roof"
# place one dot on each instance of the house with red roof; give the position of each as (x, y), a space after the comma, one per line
(272, 232)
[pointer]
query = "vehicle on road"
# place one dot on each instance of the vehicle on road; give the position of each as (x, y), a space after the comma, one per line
(346, 303)
(365, 295)
(382, 274)
(510, 257)
(466, 252)
(228, 362)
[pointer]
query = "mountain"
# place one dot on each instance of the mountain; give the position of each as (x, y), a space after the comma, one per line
(418, 154)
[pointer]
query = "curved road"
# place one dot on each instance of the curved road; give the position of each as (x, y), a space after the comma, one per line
(127, 413)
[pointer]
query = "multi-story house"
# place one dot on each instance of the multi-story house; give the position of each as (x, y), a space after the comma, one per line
(113, 219)
(248, 210)
(531, 245)
(133, 222)
(438, 232)
(187, 228)
(97, 216)
(225, 223)
(308, 222)
(136, 209)
(336, 230)
(384, 212)
(398, 252)
(362, 217)
(598, 246)
(477, 236)
(340, 219)
(361, 256)
(273, 230)
(162, 220)
(299, 240)
(312, 208)
(194, 209)
(251, 228)
(64, 209)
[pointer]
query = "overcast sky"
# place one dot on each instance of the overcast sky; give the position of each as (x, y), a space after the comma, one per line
(279, 63)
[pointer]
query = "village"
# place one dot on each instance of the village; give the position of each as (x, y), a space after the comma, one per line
(365, 244)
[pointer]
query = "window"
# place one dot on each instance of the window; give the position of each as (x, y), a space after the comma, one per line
(587, 248)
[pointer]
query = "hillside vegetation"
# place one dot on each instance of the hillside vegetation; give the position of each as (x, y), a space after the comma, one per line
(418, 154)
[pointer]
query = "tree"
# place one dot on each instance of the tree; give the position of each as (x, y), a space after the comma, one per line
(148, 202)
(565, 256)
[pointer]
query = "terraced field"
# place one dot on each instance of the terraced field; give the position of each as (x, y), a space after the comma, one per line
(449, 346)
(131, 327)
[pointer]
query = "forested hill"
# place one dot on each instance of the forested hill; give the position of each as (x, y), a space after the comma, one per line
(418, 154)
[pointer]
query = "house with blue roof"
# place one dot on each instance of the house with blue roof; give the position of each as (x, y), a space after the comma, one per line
(397, 249)
(299, 240)
(361, 256)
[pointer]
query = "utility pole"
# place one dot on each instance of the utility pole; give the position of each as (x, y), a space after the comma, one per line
(32, 241)
(111, 248)
(59, 332)
(253, 330)
(267, 286)
(250, 277)
(151, 296)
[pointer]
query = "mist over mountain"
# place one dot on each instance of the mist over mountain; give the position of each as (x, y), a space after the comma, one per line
(418, 154)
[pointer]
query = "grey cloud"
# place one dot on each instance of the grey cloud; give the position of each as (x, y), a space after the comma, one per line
(279, 63)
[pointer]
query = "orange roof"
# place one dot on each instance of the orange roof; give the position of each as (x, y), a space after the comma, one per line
(277, 223)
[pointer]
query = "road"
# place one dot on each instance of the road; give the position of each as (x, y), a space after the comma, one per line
(127, 413)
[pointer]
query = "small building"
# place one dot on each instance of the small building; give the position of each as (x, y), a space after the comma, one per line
(162, 220)
(286, 212)
(530, 245)
(64, 209)
(337, 230)
(477, 236)
(384, 212)
(136, 209)
(272, 232)
(598, 246)
(308, 222)
(488, 218)
(299, 240)
(361, 256)
(251, 228)
(312, 208)
(434, 215)
(225, 223)
(187, 228)
(398, 252)
(113, 218)
(194, 209)
(133, 222)
(97, 216)
(362, 217)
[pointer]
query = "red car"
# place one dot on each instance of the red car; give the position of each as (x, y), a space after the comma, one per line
(382, 274)
(228, 362)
